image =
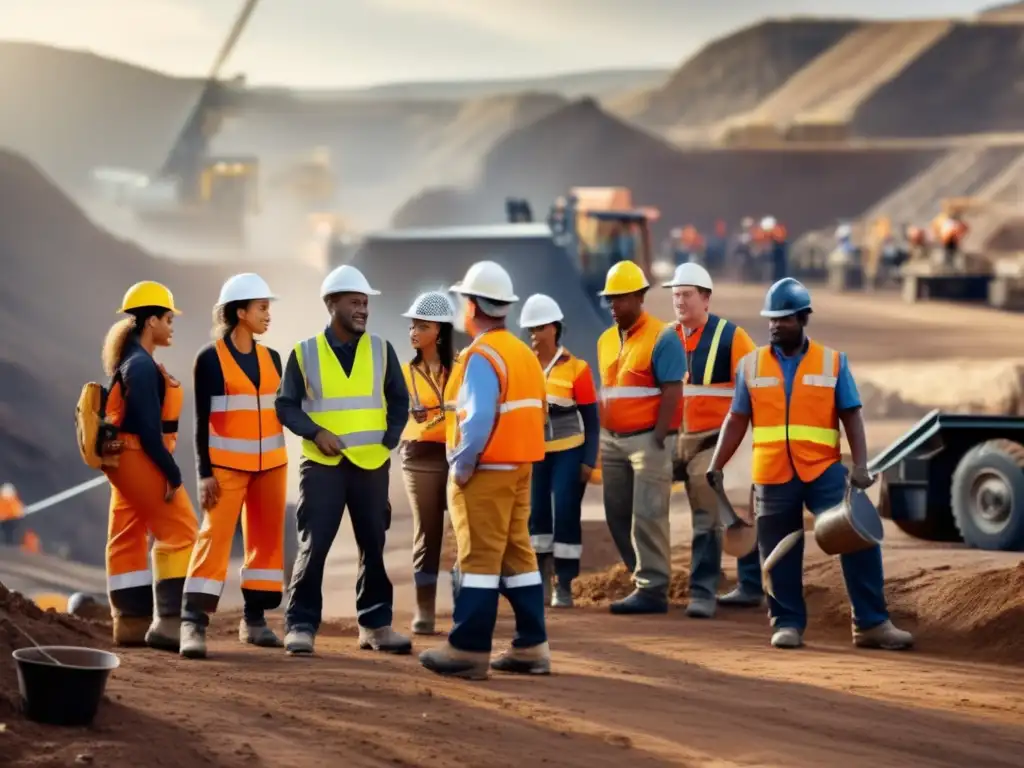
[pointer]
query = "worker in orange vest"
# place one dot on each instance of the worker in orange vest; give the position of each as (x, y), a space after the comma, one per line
(796, 392)
(242, 462)
(714, 346)
(642, 367)
(31, 543)
(495, 413)
(11, 511)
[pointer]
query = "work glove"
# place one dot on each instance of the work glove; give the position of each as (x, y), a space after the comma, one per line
(861, 478)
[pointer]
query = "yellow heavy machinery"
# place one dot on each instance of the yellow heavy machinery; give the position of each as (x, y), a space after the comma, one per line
(310, 181)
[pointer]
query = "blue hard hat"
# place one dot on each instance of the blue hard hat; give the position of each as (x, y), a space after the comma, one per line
(785, 298)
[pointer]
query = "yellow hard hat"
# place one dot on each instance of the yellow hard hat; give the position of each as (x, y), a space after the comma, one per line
(148, 293)
(625, 277)
(48, 600)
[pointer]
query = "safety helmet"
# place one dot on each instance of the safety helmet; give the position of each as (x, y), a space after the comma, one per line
(148, 293)
(785, 298)
(244, 287)
(843, 231)
(434, 306)
(540, 309)
(624, 277)
(690, 274)
(768, 222)
(346, 279)
(486, 280)
(79, 602)
(7, 491)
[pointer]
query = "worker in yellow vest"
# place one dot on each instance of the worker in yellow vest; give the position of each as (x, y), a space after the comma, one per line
(344, 394)
(642, 368)
(495, 410)
(242, 462)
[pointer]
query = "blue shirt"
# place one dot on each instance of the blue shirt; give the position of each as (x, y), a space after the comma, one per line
(478, 398)
(668, 360)
(847, 396)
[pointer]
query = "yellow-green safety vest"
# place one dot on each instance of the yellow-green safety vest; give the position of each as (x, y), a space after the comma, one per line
(353, 406)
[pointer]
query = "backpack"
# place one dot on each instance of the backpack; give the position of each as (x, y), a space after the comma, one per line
(97, 437)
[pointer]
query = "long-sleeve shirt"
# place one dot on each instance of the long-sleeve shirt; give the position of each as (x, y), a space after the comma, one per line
(143, 385)
(478, 399)
(293, 391)
(208, 382)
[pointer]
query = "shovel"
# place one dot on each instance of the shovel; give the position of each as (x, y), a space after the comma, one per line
(740, 537)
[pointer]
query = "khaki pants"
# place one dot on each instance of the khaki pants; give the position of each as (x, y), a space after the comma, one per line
(691, 463)
(637, 483)
(426, 481)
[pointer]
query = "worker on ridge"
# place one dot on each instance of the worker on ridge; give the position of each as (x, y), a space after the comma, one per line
(31, 543)
(495, 407)
(11, 511)
(146, 492)
(796, 392)
(642, 368)
(241, 461)
(573, 430)
(713, 346)
(424, 460)
(343, 393)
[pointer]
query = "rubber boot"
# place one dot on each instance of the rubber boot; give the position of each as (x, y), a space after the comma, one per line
(525, 661)
(130, 630)
(165, 634)
(426, 599)
(451, 662)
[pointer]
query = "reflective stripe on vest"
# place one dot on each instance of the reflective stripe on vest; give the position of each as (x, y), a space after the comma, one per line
(709, 375)
(565, 424)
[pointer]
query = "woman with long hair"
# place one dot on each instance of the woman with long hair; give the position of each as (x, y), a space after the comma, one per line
(424, 462)
(242, 461)
(573, 430)
(146, 494)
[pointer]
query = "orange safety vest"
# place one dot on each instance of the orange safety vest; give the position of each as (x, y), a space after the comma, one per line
(518, 434)
(427, 394)
(709, 386)
(803, 436)
(630, 395)
(170, 412)
(11, 509)
(779, 233)
(565, 424)
(245, 434)
(30, 543)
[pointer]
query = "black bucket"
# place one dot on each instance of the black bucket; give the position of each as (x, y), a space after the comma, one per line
(65, 694)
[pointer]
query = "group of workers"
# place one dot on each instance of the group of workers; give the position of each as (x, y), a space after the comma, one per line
(503, 436)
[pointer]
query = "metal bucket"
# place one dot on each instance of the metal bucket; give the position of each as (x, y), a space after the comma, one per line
(850, 526)
(739, 538)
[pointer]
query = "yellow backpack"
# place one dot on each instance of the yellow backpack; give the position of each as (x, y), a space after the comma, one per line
(97, 437)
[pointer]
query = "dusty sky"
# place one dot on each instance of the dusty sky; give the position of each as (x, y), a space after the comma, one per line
(340, 43)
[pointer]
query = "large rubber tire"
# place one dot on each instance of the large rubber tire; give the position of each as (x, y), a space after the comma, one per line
(932, 529)
(988, 496)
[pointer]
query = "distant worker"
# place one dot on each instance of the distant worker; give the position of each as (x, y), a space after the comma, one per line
(796, 392)
(146, 492)
(31, 543)
(572, 432)
(776, 242)
(11, 511)
(642, 368)
(424, 460)
(344, 394)
(495, 433)
(242, 463)
(951, 232)
(714, 347)
(557, 217)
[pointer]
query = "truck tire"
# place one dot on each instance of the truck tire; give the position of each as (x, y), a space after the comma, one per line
(935, 528)
(988, 496)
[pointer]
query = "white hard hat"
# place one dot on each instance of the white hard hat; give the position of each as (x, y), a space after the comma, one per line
(7, 491)
(244, 287)
(346, 279)
(487, 280)
(432, 305)
(690, 274)
(768, 222)
(539, 310)
(843, 230)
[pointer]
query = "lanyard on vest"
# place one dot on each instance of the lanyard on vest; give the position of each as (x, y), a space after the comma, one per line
(413, 370)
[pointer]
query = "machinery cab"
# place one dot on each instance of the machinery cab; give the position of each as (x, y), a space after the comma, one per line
(227, 185)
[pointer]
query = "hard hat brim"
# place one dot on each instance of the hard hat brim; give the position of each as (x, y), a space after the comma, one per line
(623, 293)
(428, 318)
(125, 310)
(221, 303)
(783, 312)
(367, 292)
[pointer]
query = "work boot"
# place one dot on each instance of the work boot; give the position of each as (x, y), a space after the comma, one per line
(193, 641)
(701, 608)
(299, 642)
(259, 635)
(535, 660)
(787, 637)
(885, 636)
(562, 597)
(423, 621)
(130, 631)
(741, 598)
(451, 662)
(384, 639)
(164, 634)
(639, 602)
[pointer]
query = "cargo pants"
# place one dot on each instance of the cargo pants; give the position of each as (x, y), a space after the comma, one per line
(556, 506)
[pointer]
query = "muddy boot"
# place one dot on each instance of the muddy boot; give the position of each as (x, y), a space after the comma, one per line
(525, 661)
(258, 634)
(562, 597)
(787, 637)
(130, 631)
(426, 598)
(885, 636)
(193, 641)
(384, 639)
(701, 608)
(451, 662)
(299, 642)
(164, 634)
(741, 598)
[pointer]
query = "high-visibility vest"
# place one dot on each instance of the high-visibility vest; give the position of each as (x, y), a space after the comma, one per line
(170, 412)
(565, 424)
(709, 385)
(244, 431)
(803, 436)
(11, 509)
(426, 394)
(518, 434)
(352, 406)
(630, 395)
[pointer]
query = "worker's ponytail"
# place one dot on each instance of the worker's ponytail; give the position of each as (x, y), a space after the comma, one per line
(225, 317)
(114, 344)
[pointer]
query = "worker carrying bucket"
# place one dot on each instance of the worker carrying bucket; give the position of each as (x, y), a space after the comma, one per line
(795, 392)
(242, 462)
